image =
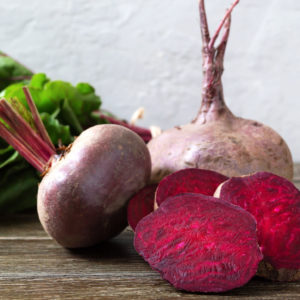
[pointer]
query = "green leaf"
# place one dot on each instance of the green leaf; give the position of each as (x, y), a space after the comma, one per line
(12, 158)
(76, 103)
(11, 71)
(68, 116)
(38, 81)
(18, 184)
(7, 154)
(56, 130)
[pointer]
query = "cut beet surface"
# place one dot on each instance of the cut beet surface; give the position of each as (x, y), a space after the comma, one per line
(199, 243)
(188, 181)
(141, 204)
(275, 203)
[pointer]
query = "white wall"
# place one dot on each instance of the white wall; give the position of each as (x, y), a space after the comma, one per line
(148, 53)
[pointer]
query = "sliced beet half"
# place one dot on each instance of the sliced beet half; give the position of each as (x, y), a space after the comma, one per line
(275, 203)
(199, 243)
(140, 205)
(188, 181)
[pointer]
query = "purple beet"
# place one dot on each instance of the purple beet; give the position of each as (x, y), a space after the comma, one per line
(83, 196)
(188, 181)
(141, 205)
(199, 243)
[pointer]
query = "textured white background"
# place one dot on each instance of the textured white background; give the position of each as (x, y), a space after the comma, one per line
(148, 53)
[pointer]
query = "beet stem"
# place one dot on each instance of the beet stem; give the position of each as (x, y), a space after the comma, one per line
(204, 24)
(222, 46)
(18, 145)
(37, 119)
(213, 104)
(25, 134)
(144, 133)
(8, 122)
(227, 15)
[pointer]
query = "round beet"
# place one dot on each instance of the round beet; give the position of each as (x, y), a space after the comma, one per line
(82, 199)
(194, 242)
(83, 196)
(217, 139)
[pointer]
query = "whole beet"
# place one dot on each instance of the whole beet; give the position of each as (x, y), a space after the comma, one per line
(216, 139)
(82, 199)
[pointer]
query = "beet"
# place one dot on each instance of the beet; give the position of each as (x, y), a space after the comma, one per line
(141, 205)
(188, 181)
(83, 196)
(82, 199)
(216, 139)
(194, 242)
(275, 203)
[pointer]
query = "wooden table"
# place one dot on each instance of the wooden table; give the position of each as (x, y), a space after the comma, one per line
(32, 266)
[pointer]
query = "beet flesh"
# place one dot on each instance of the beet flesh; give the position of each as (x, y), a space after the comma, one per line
(216, 139)
(194, 242)
(275, 203)
(141, 205)
(192, 180)
(82, 200)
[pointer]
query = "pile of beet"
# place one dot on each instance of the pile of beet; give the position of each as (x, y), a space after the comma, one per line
(196, 241)
(199, 243)
(201, 230)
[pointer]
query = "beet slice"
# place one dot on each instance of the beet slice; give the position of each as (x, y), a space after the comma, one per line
(188, 181)
(199, 243)
(275, 203)
(141, 204)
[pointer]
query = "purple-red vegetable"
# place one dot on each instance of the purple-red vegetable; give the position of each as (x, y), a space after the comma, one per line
(83, 196)
(275, 204)
(216, 139)
(196, 181)
(199, 243)
(141, 205)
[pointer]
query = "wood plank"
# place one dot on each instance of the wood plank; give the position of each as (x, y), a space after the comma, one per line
(128, 287)
(41, 269)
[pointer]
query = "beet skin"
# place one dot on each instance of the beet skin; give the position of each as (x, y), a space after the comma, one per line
(194, 242)
(82, 199)
(192, 180)
(275, 203)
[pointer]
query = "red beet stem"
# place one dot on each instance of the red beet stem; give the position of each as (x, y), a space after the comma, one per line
(227, 15)
(22, 148)
(26, 132)
(37, 119)
(23, 138)
(204, 25)
(213, 104)
(144, 133)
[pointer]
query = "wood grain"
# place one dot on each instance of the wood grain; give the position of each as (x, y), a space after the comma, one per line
(32, 266)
